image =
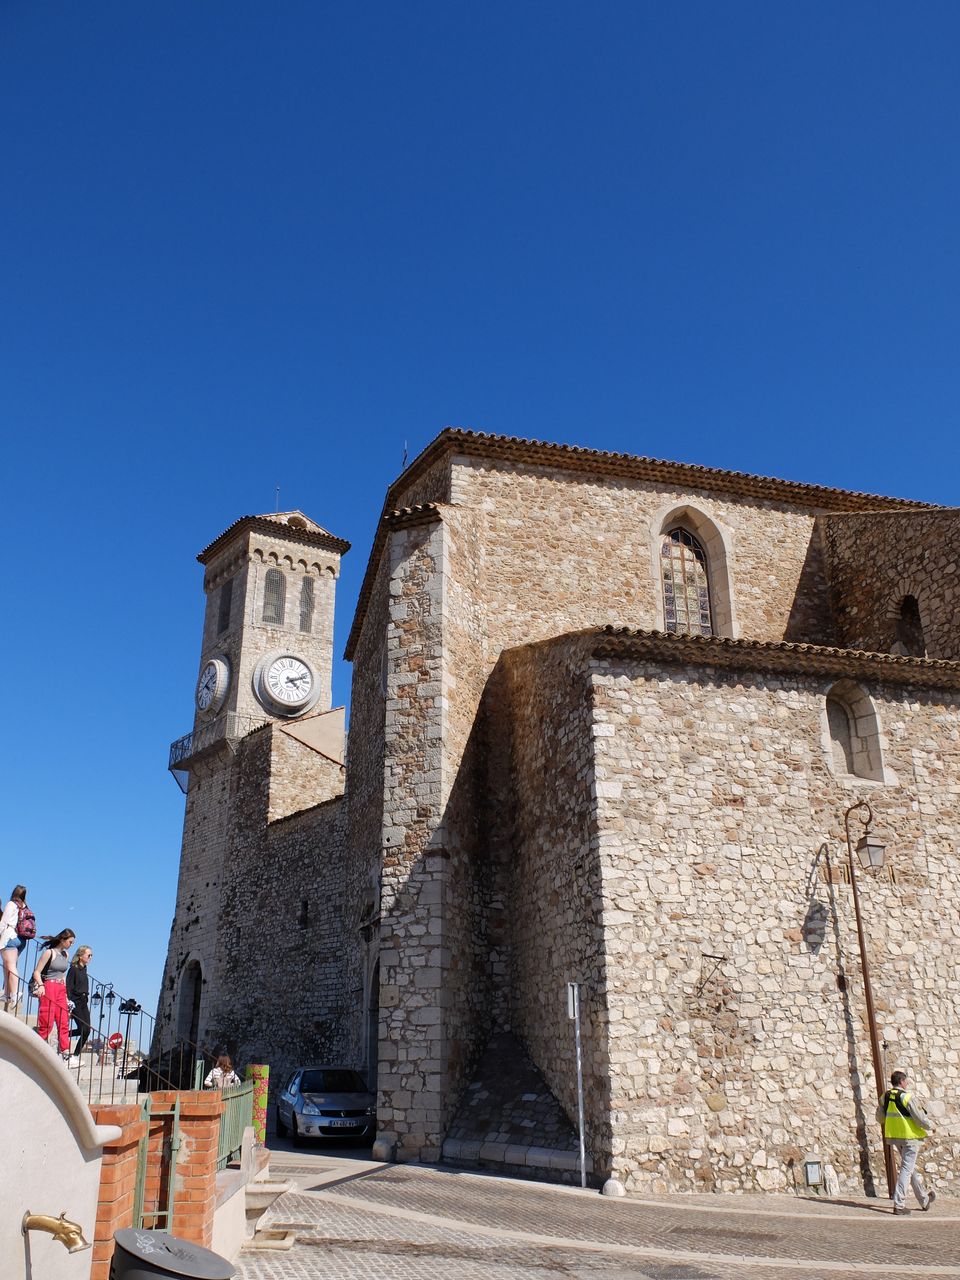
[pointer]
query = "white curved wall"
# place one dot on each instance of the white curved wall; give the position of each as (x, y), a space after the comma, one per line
(51, 1157)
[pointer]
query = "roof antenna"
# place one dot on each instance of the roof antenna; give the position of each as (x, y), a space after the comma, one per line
(278, 499)
(403, 465)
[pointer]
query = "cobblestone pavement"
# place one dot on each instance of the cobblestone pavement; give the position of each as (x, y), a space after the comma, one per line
(358, 1220)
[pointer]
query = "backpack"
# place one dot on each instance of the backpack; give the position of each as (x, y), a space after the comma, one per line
(26, 922)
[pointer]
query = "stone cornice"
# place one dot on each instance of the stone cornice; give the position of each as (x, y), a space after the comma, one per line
(756, 655)
(273, 529)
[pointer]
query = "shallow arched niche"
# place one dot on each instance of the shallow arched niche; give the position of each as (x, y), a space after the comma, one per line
(852, 736)
(189, 998)
(717, 545)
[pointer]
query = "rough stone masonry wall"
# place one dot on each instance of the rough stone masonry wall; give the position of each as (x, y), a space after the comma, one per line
(715, 795)
(194, 930)
(878, 558)
(564, 552)
(365, 805)
(413, 1085)
(555, 896)
(299, 777)
(279, 982)
(469, 953)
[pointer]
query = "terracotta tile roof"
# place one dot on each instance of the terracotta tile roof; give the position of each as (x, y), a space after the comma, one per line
(597, 462)
(758, 655)
(600, 462)
(292, 526)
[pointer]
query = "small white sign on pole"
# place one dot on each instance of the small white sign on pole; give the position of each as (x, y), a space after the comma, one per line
(573, 1012)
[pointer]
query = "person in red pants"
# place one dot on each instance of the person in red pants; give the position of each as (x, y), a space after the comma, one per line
(49, 984)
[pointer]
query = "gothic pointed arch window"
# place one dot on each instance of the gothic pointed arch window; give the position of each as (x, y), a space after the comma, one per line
(686, 584)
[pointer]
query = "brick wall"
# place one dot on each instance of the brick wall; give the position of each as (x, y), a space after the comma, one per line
(118, 1176)
(195, 1181)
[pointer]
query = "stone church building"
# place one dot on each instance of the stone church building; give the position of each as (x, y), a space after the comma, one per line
(608, 714)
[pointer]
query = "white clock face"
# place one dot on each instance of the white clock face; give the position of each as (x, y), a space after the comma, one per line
(212, 685)
(288, 680)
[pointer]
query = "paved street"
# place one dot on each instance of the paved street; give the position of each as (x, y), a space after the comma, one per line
(356, 1220)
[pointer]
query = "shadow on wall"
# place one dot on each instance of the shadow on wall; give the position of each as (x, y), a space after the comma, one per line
(814, 935)
(811, 618)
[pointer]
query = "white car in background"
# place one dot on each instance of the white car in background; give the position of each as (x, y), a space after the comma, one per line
(327, 1102)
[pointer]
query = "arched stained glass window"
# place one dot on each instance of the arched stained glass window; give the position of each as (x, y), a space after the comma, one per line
(274, 597)
(686, 588)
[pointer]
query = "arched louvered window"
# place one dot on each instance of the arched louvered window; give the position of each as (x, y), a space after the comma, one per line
(306, 605)
(225, 602)
(686, 586)
(274, 597)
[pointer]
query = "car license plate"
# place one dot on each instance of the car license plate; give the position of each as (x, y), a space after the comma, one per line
(341, 1124)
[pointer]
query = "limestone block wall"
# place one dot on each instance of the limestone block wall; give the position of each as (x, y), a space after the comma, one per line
(555, 890)
(279, 986)
(364, 798)
(299, 777)
(877, 558)
(564, 551)
(737, 1036)
(469, 887)
(413, 1066)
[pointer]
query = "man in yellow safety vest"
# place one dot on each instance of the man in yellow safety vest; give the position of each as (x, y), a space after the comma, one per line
(905, 1125)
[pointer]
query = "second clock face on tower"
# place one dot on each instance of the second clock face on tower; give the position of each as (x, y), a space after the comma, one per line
(212, 685)
(285, 684)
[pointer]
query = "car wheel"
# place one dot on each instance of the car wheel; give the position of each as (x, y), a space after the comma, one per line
(282, 1129)
(298, 1138)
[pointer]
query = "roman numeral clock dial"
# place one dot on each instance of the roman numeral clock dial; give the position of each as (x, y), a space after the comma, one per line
(284, 684)
(212, 685)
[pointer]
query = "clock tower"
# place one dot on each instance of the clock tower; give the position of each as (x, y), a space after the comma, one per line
(266, 658)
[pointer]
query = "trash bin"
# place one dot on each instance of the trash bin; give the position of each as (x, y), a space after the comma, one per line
(144, 1255)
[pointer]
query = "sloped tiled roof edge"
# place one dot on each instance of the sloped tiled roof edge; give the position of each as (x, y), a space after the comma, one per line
(289, 533)
(515, 449)
(568, 457)
(758, 655)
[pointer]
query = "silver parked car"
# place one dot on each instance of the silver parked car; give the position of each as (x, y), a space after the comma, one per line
(327, 1102)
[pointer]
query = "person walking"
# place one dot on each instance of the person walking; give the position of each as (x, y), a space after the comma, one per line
(905, 1125)
(49, 985)
(16, 917)
(78, 996)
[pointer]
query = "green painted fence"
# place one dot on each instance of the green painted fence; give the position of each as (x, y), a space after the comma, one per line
(237, 1116)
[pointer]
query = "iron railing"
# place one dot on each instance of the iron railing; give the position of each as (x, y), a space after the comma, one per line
(114, 1062)
(228, 727)
(237, 1116)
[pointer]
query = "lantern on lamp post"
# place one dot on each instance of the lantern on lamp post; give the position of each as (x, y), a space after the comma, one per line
(872, 855)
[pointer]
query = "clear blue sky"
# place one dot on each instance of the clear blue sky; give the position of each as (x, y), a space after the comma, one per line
(244, 245)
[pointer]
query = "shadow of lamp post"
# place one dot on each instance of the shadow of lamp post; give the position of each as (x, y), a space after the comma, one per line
(872, 854)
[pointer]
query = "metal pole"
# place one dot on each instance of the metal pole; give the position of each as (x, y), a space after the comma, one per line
(867, 988)
(573, 1011)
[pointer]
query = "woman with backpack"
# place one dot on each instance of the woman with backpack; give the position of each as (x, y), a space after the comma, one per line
(49, 985)
(17, 927)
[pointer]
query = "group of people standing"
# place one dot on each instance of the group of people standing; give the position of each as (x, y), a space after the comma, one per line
(61, 986)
